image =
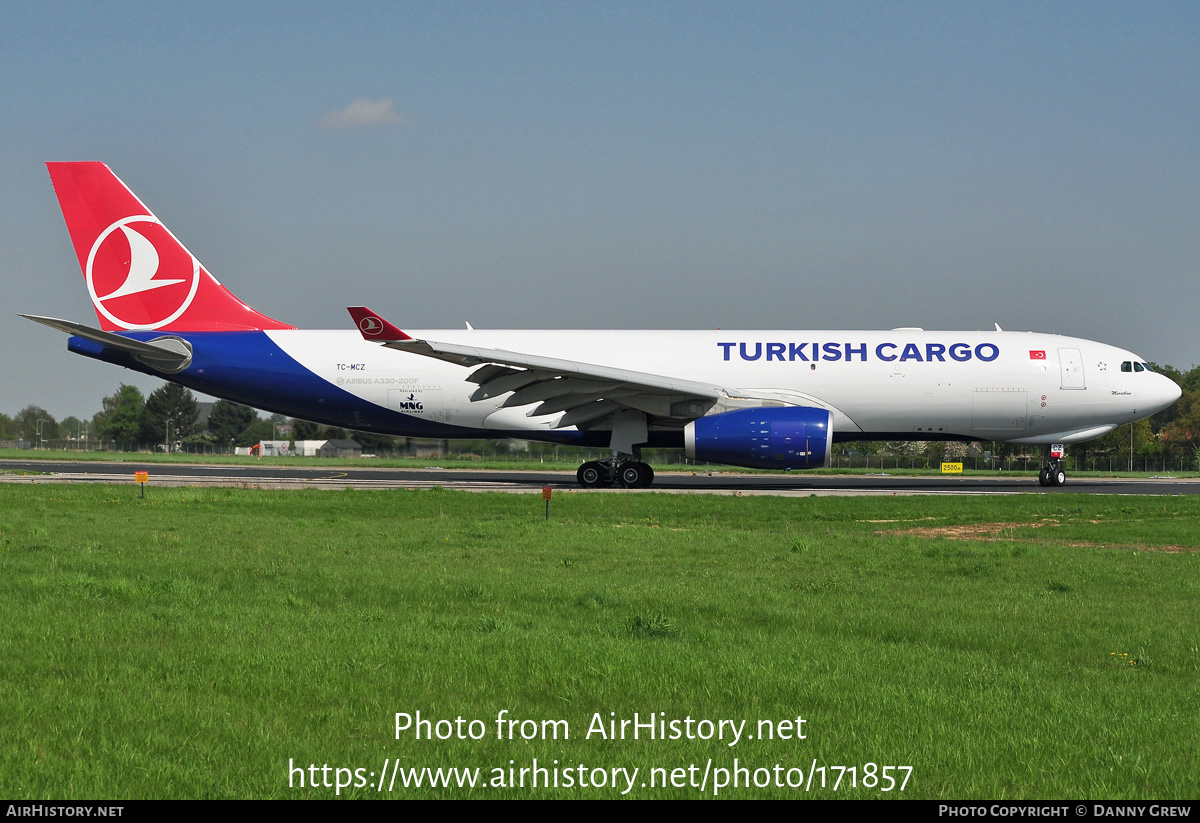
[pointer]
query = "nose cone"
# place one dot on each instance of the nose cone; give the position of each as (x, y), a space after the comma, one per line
(1167, 392)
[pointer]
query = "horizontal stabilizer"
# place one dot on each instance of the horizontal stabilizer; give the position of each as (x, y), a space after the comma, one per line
(167, 354)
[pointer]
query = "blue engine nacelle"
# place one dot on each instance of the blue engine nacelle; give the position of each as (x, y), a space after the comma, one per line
(788, 437)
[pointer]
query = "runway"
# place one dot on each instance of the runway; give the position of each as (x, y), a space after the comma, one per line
(799, 484)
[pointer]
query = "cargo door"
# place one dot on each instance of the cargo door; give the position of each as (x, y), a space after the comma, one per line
(999, 410)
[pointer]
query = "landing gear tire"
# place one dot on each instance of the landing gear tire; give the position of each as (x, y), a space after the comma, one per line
(636, 475)
(1052, 473)
(591, 475)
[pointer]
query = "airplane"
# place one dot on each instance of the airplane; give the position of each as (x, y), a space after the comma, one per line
(759, 399)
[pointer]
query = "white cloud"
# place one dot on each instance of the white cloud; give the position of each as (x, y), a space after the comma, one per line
(362, 113)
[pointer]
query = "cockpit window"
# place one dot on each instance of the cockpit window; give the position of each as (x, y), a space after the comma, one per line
(1133, 366)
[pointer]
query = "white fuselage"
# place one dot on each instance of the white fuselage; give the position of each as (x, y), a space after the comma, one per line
(1023, 387)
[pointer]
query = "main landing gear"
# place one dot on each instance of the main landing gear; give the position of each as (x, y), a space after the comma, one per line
(632, 474)
(624, 467)
(1053, 473)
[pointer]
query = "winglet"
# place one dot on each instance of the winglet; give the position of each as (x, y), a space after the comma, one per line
(374, 327)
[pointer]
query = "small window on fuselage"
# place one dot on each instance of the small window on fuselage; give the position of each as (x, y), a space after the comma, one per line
(1126, 366)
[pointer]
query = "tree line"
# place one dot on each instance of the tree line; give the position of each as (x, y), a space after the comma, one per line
(171, 414)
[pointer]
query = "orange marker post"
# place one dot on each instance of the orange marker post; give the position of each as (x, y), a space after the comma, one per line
(546, 492)
(142, 478)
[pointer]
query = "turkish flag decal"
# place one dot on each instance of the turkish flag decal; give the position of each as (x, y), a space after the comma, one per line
(1037, 355)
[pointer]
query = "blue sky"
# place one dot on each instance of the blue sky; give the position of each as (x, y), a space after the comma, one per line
(632, 165)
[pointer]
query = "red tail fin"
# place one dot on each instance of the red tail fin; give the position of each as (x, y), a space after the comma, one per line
(139, 276)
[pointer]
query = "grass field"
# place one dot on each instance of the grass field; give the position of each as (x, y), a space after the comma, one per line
(197, 642)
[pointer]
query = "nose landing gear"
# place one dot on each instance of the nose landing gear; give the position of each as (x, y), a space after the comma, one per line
(1053, 472)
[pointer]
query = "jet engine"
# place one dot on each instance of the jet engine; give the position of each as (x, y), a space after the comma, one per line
(784, 437)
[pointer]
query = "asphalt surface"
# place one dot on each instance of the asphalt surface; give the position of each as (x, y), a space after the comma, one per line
(264, 476)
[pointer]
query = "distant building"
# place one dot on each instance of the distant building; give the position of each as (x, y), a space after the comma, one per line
(340, 448)
(328, 448)
(308, 448)
(274, 448)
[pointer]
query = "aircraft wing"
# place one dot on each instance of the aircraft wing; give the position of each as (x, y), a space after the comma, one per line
(582, 391)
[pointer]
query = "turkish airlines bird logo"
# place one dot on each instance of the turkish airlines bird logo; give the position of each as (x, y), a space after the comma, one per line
(370, 325)
(139, 276)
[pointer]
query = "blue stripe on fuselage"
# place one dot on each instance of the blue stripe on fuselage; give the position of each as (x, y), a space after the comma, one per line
(248, 367)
